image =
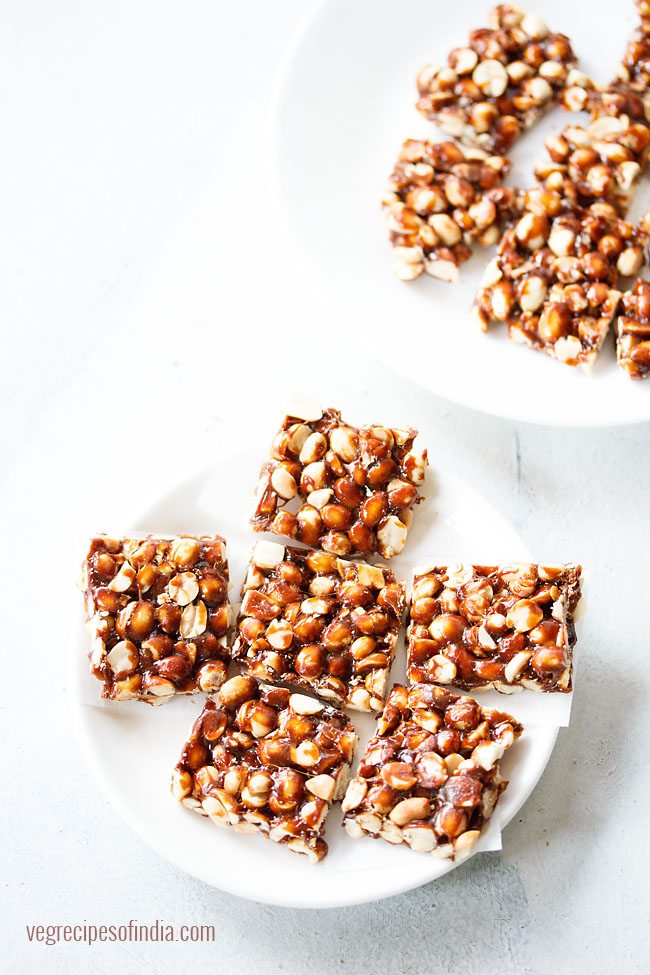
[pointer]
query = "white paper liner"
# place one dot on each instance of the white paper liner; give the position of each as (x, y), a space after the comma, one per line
(490, 839)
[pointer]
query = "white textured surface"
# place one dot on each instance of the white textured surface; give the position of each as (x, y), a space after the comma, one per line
(126, 358)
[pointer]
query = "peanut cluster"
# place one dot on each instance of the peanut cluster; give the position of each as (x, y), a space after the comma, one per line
(348, 491)
(439, 200)
(259, 759)
(430, 777)
(500, 83)
(321, 623)
(159, 615)
(493, 626)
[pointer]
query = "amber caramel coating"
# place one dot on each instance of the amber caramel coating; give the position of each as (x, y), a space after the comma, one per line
(315, 621)
(500, 83)
(159, 615)
(430, 776)
(348, 491)
(262, 760)
(493, 626)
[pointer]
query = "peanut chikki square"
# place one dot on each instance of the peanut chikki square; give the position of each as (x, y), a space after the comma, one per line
(633, 332)
(500, 83)
(598, 162)
(159, 616)
(430, 777)
(554, 279)
(629, 92)
(439, 202)
(260, 759)
(346, 490)
(316, 621)
(643, 10)
(493, 626)
(634, 70)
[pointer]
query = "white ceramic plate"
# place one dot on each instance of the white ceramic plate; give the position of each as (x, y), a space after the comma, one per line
(344, 106)
(132, 748)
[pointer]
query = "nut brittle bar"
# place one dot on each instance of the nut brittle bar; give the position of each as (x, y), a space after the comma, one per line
(633, 331)
(629, 92)
(643, 10)
(598, 162)
(430, 777)
(159, 616)
(493, 626)
(440, 200)
(262, 760)
(316, 621)
(554, 279)
(500, 83)
(634, 70)
(346, 490)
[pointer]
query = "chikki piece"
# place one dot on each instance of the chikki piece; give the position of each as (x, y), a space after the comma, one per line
(261, 759)
(633, 332)
(600, 162)
(554, 279)
(643, 10)
(440, 200)
(616, 99)
(629, 92)
(159, 615)
(634, 70)
(316, 621)
(500, 83)
(430, 777)
(493, 626)
(349, 491)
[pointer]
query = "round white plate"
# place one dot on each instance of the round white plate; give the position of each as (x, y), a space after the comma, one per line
(132, 748)
(344, 105)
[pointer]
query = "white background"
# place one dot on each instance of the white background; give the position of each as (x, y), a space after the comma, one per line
(150, 320)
